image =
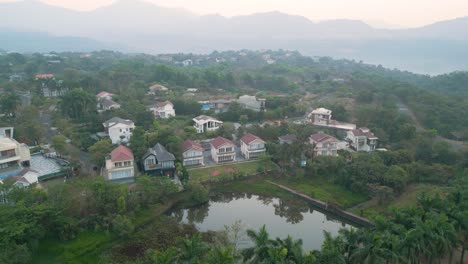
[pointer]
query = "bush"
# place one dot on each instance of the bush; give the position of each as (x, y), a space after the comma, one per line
(122, 226)
(198, 193)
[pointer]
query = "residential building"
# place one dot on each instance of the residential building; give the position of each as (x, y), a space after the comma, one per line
(220, 105)
(223, 150)
(362, 139)
(159, 161)
(163, 110)
(120, 164)
(323, 144)
(157, 88)
(187, 62)
(252, 146)
(287, 139)
(26, 178)
(104, 95)
(192, 154)
(119, 130)
(320, 116)
(204, 123)
(106, 105)
(7, 132)
(252, 103)
(13, 156)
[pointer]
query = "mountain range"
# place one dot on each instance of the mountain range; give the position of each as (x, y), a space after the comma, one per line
(139, 26)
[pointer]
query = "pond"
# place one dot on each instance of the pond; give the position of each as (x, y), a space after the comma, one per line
(294, 217)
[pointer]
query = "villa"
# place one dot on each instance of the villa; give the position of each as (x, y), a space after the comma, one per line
(120, 164)
(119, 130)
(223, 150)
(323, 144)
(204, 123)
(252, 146)
(159, 161)
(362, 139)
(192, 154)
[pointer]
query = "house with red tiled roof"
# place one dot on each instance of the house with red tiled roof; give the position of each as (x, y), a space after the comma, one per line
(323, 144)
(223, 150)
(192, 154)
(252, 146)
(157, 87)
(120, 164)
(45, 76)
(163, 110)
(104, 95)
(362, 139)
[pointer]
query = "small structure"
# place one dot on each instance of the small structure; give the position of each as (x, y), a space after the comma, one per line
(287, 139)
(119, 130)
(163, 110)
(252, 103)
(320, 116)
(192, 154)
(223, 150)
(46, 76)
(220, 105)
(192, 90)
(187, 62)
(13, 156)
(157, 88)
(362, 139)
(159, 161)
(106, 105)
(252, 146)
(205, 123)
(120, 164)
(26, 178)
(323, 144)
(16, 78)
(104, 95)
(7, 132)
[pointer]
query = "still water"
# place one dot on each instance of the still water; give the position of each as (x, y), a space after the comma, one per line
(295, 217)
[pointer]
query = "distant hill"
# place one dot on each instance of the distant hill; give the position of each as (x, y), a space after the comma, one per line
(436, 48)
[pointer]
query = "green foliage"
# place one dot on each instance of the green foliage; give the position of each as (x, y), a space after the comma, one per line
(59, 144)
(122, 226)
(138, 143)
(198, 193)
(99, 151)
(78, 105)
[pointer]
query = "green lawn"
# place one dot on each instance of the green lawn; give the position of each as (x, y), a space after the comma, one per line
(244, 168)
(322, 189)
(86, 248)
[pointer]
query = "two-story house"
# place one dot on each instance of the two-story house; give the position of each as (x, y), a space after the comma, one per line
(163, 110)
(120, 164)
(192, 154)
(323, 144)
(320, 116)
(13, 156)
(252, 146)
(204, 123)
(362, 139)
(159, 161)
(223, 150)
(119, 130)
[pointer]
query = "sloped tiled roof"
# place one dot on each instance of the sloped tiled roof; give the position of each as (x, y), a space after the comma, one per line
(189, 144)
(219, 141)
(162, 104)
(248, 138)
(107, 102)
(45, 76)
(160, 152)
(320, 137)
(204, 118)
(104, 94)
(121, 153)
(118, 120)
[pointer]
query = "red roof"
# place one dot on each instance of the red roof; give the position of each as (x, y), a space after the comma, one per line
(121, 153)
(44, 76)
(219, 141)
(249, 138)
(104, 94)
(157, 87)
(163, 104)
(189, 144)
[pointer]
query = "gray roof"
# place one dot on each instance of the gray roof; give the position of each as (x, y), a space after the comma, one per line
(107, 103)
(118, 120)
(160, 152)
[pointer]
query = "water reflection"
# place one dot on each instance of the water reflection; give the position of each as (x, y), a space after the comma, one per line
(295, 217)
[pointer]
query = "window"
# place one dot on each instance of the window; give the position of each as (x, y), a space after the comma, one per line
(324, 152)
(127, 163)
(118, 164)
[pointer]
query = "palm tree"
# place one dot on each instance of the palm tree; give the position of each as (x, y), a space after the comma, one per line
(221, 255)
(166, 257)
(350, 239)
(371, 251)
(331, 251)
(293, 247)
(192, 250)
(262, 244)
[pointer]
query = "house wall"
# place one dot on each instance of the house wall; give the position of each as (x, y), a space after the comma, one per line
(217, 156)
(120, 133)
(253, 150)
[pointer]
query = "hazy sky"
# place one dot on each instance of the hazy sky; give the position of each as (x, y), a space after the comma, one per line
(406, 13)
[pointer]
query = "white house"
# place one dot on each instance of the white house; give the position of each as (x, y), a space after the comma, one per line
(26, 177)
(323, 144)
(13, 156)
(223, 150)
(205, 123)
(320, 116)
(192, 154)
(362, 139)
(120, 164)
(187, 62)
(163, 110)
(252, 146)
(252, 103)
(118, 129)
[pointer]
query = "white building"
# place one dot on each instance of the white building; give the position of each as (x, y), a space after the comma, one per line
(362, 139)
(323, 144)
(320, 116)
(252, 103)
(13, 156)
(204, 123)
(120, 164)
(252, 146)
(223, 150)
(118, 129)
(192, 154)
(163, 110)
